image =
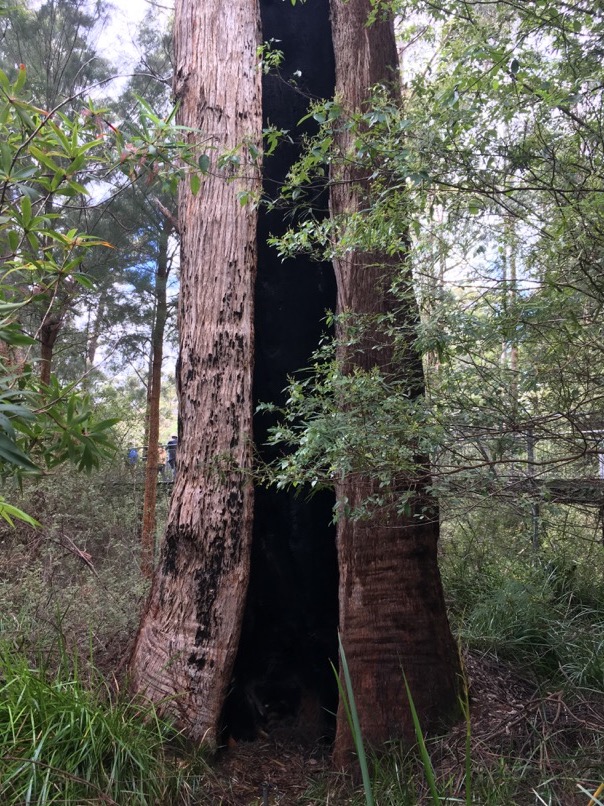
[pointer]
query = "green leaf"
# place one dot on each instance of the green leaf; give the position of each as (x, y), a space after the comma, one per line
(13, 456)
(204, 163)
(195, 183)
(8, 512)
(25, 211)
(14, 336)
(21, 79)
(347, 698)
(6, 157)
(103, 425)
(13, 240)
(421, 742)
(83, 280)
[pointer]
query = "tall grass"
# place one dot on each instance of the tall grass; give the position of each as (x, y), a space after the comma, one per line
(545, 612)
(76, 579)
(61, 743)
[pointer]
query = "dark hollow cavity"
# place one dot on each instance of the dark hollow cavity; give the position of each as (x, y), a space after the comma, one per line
(282, 678)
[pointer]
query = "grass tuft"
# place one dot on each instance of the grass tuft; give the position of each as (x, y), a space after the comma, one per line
(62, 743)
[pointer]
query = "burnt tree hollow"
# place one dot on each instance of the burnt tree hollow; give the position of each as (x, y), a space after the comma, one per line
(283, 679)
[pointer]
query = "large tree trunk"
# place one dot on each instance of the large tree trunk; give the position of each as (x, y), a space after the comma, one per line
(188, 637)
(392, 611)
(152, 437)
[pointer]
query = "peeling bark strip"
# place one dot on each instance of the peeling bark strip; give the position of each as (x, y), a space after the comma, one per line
(188, 637)
(392, 609)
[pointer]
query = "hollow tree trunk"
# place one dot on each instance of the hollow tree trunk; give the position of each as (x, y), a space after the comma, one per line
(392, 610)
(157, 352)
(188, 637)
(282, 674)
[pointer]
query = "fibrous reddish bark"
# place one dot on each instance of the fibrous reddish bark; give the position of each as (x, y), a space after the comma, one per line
(392, 611)
(188, 637)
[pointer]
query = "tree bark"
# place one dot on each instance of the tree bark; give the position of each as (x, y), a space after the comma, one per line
(392, 611)
(186, 645)
(48, 334)
(60, 299)
(157, 353)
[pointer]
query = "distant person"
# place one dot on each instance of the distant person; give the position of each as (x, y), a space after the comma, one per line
(132, 457)
(171, 452)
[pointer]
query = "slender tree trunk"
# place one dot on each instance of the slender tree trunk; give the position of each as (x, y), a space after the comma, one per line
(392, 611)
(186, 645)
(52, 323)
(509, 346)
(513, 247)
(148, 393)
(157, 354)
(48, 334)
(97, 327)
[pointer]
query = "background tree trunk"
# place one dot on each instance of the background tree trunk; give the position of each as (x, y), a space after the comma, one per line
(157, 352)
(392, 610)
(188, 637)
(59, 303)
(49, 332)
(97, 326)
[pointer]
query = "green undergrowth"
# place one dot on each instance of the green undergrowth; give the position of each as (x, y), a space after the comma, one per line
(64, 741)
(71, 591)
(542, 611)
(75, 581)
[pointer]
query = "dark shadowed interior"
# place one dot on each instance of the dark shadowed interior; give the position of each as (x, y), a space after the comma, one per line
(283, 679)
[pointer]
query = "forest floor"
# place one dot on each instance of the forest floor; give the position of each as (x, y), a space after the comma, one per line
(510, 719)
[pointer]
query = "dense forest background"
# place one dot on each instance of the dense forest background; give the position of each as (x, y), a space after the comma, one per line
(487, 173)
